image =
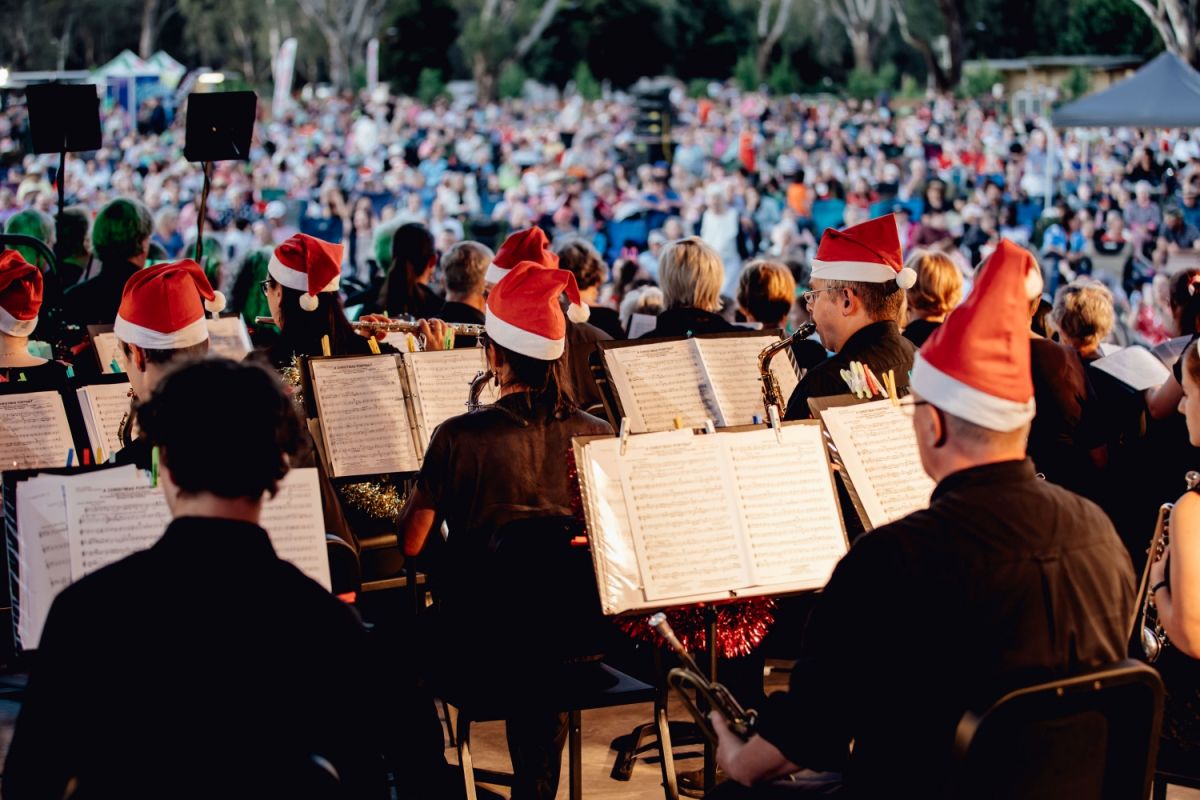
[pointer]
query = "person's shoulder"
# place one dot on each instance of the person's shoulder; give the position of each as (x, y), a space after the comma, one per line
(587, 332)
(590, 424)
(120, 578)
(314, 599)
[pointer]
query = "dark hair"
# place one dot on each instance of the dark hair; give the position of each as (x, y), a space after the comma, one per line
(580, 257)
(1184, 304)
(121, 229)
(73, 225)
(300, 331)
(412, 249)
(257, 440)
(547, 381)
(180, 354)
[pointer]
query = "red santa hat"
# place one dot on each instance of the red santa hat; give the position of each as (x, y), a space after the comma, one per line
(20, 294)
(867, 253)
(530, 244)
(162, 307)
(523, 312)
(976, 364)
(307, 264)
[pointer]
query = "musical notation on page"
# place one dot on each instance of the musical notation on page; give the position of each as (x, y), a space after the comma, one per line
(104, 405)
(441, 384)
(296, 526)
(33, 431)
(731, 366)
(659, 382)
(109, 522)
(364, 419)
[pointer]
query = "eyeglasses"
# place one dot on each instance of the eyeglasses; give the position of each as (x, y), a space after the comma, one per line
(810, 297)
(266, 285)
(908, 406)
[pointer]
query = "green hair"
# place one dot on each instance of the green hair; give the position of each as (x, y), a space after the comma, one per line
(212, 258)
(37, 224)
(121, 230)
(254, 272)
(384, 233)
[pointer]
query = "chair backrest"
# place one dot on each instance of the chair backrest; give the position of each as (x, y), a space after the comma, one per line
(1089, 737)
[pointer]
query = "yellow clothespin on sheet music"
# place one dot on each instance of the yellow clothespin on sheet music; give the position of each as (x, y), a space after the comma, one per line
(624, 434)
(411, 342)
(325, 350)
(678, 423)
(893, 392)
(373, 344)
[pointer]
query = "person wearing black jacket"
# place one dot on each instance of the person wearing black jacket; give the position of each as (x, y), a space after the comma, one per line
(691, 274)
(121, 242)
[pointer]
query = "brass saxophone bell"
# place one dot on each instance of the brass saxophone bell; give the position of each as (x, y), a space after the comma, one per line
(1151, 644)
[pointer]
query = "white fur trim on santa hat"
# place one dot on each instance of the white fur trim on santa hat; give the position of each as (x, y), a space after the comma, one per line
(294, 279)
(578, 313)
(494, 274)
(16, 327)
(217, 304)
(861, 271)
(1034, 284)
(193, 333)
(522, 341)
(966, 402)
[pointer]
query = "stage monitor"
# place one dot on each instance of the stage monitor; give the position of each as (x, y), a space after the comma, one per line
(219, 126)
(63, 117)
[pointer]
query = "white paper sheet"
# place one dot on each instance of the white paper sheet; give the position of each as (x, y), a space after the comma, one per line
(296, 526)
(364, 419)
(1134, 366)
(441, 384)
(33, 431)
(685, 530)
(731, 367)
(107, 351)
(228, 338)
(1169, 351)
(640, 324)
(107, 522)
(658, 382)
(787, 504)
(879, 450)
(104, 405)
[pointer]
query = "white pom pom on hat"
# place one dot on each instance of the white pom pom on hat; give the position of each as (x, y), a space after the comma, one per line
(217, 304)
(578, 312)
(906, 278)
(309, 302)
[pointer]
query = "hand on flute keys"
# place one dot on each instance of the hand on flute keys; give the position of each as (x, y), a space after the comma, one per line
(437, 335)
(379, 333)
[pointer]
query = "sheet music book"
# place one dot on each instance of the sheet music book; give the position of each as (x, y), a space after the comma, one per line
(107, 349)
(725, 531)
(366, 427)
(705, 377)
(71, 525)
(1134, 366)
(877, 447)
(103, 406)
(1170, 351)
(34, 432)
(439, 383)
(228, 338)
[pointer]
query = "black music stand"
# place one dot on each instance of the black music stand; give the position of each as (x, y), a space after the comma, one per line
(219, 128)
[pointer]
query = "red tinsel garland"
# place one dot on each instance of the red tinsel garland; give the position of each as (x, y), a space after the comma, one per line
(741, 626)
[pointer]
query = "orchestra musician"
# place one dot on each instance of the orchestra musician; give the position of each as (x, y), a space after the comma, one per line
(858, 281)
(21, 286)
(204, 666)
(1018, 578)
(936, 293)
(692, 275)
(121, 241)
(160, 324)
(504, 463)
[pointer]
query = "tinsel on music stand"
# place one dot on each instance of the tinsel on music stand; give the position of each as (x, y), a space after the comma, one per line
(376, 499)
(292, 377)
(741, 626)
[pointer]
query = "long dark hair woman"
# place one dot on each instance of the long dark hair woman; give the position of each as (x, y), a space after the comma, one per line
(406, 289)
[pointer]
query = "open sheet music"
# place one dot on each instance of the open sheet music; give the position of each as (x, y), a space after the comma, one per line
(34, 433)
(228, 338)
(682, 517)
(108, 350)
(876, 445)
(365, 423)
(1134, 366)
(72, 525)
(103, 406)
(439, 382)
(697, 379)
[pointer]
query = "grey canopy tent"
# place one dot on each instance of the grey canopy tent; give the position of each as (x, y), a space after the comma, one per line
(1163, 94)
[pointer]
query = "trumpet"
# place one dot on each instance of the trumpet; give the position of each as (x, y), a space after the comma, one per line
(740, 720)
(771, 393)
(1147, 627)
(396, 326)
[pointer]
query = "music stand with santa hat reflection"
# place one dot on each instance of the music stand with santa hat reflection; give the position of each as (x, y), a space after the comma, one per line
(219, 128)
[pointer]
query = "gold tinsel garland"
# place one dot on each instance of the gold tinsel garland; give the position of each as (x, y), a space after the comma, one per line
(291, 375)
(379, 500)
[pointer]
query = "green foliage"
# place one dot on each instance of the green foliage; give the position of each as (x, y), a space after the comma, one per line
(979, 81)
(745, 72)
(909, 88)
(698, 87)
(511, 82)
(782, 80)
(1078, 83)
(430, 85)
(865, 85)
(586, 83)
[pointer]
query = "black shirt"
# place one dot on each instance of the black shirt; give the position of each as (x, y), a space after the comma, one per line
(919, 330)
(1005, 580)
(608, 320)
(1066, 425)
(686, 321)
(879, 345)
(50, 375)
(454, 311)
(95, 301)
(205, 649)
(581, 343)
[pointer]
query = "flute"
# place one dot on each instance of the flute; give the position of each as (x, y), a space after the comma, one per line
(396, 326)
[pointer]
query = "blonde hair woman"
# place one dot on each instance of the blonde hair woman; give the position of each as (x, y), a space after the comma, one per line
(691, 275)
(935, 294)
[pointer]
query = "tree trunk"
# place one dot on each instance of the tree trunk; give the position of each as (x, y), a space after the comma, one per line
(770, 38)
(146, 41)
(485, 83)
(952, 15)
(860, 44)
(339, 63)
(64, 42)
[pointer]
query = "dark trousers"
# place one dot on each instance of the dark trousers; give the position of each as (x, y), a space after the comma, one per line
(535, 744)
(802, 785)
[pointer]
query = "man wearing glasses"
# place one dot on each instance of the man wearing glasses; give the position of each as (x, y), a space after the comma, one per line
(1017, 580)
(858, 280)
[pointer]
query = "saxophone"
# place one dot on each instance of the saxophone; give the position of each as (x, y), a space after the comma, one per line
(1149, 630)
(771, 393)
(478, 384)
